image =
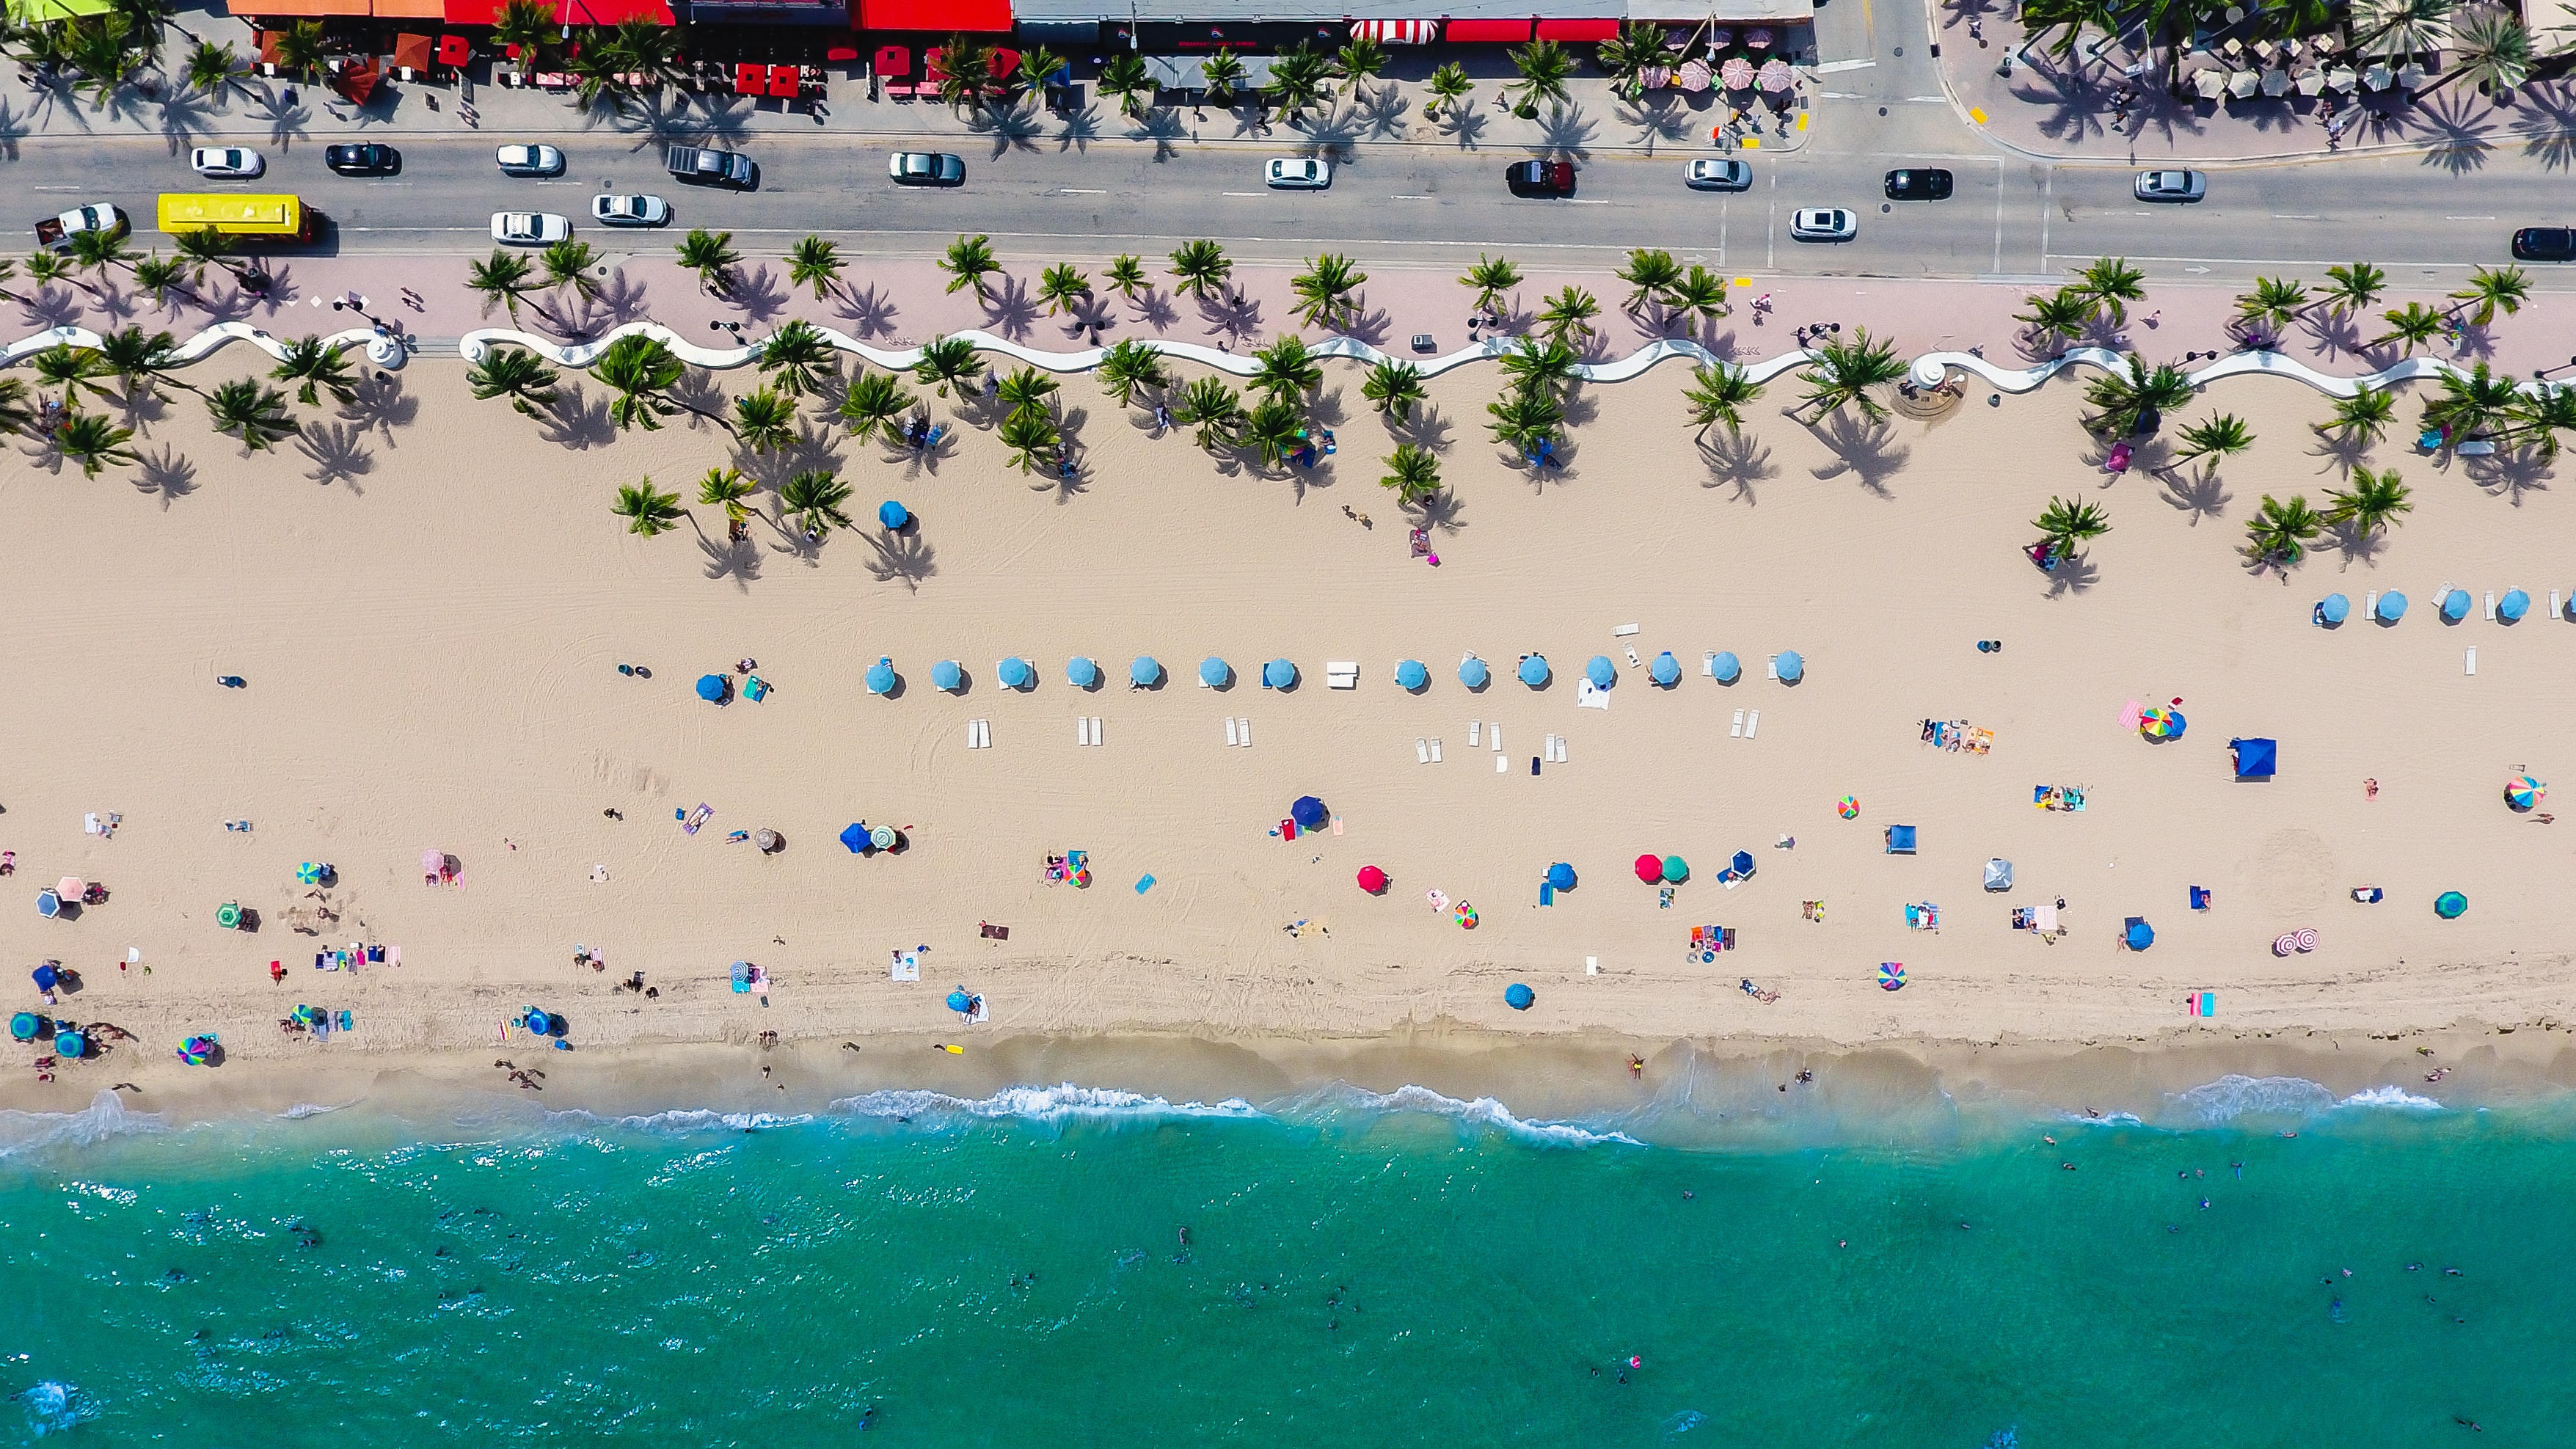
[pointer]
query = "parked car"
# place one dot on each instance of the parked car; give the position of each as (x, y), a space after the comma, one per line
(926, 168)
(1823, 223)
(529, 228)
(521, 159)
(363, 159)
(609, 210)
(1297, 173)
(2545, 244)
(2172, 185)
(54, 233)
(1918, 184)
(709, 165)
(227, 163)
(1717, 173)
(1540, 178)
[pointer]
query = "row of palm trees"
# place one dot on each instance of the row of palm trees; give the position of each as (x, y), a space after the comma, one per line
(2486, 45)
(139, 364)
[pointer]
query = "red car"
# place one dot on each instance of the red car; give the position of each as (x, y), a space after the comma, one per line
(1540, 178)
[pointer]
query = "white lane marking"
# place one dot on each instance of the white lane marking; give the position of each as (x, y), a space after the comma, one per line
(1580, 201)
(2253, 261)
(1927, 100)
(1831, 66)
(2280, 216)
(1243, 193)
(2468, 218)
(1838, 95)
(1079, 191)
(1408, 198)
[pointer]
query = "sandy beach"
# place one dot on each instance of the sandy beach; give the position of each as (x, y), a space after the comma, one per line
(429, 639)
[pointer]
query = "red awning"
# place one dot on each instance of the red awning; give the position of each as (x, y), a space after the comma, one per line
(473, 12)
(1578, 30)
(747, 79)
(453, 50)
(893, 62)
(411, 52)
(941, 16)
(1505, 32)
(1396, 32)
(301, 8)
(358, 82)
(609, 12)
(783, 82)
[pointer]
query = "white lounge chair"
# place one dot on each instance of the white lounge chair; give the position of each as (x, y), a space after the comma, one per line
(1735, 731)
(1752, 722)
(1421, 750)
(1230, 738)
(1435, 752)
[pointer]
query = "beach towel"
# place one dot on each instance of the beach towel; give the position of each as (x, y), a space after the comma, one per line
(906, 966)
(1588, 697)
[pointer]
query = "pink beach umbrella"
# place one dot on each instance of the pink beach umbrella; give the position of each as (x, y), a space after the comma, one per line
(1774, 76)
(1693, 76)
(1736, 74)
(1758, 38)
(433, 864)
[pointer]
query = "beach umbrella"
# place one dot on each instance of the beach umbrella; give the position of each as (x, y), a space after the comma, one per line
(765, 840)
(1561, 876)
(1729, 668)
(1736, 74)
(1308, 812)
(1791, 666)
(1673, 869)
(891, 514)
(2160, 723)
(1650, 868)
(2335, 609)
(48, 905)
(881, 677)
(1411, 675)
(1601, 671)
(1743, 862)
(1891, 975)
(2455, 605)
(713, 688)
(2514, 605)
(1693, 76)
(71, 1044)
(1278, 674)
(881, 836)
(198, 1050)
(26, 1026)
(1145, 671)
(46, 977)
(2138, 934)
(228, 915)
(71, 888)
(1774, 76)
(1472, 673)
(2449, 905)
(1666, 670)
(2392, 606)
(1848, 807)
(946, 675)
(1080, 672)
(1214, 672)
(1518, 997)
(1372, 879)
(1014, 673)
(960, 1001)
(1534, 671)
(2522, 792)
(855, 837)
(308, 874)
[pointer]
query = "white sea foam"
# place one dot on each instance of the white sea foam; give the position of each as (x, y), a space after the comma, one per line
(681, 1121)
(104, 1118)
(1063, 1102)
(2235, 1096)
(302, 1110)
(2391, 1096)
(1342, 1099)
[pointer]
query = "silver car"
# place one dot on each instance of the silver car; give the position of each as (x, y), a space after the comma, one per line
(1296, 173)
(2172, 185)
(609, 210)
(227, 163)
(529, 228)
(530, 160)
(1823, 223)
(926, 168)
(1717, 173)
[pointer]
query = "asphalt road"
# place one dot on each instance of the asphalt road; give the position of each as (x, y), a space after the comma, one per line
(1393, 204)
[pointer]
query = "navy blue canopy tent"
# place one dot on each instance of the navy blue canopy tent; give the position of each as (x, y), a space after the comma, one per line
(2254, 758)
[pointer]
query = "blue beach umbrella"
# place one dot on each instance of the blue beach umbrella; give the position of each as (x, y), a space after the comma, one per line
(881, 677)
(1308, 812)
(1743, 862)
(1791, 666)
(71, 1044)
(1145, 670)
(1214, 672)
(2392, 607)
(1518, 997)
(1729, 668)
(1411, 675)
(891, 514)
(713, 688)
(1601, 671)
(946, 675)
(2455, 605)
(960, 1001)
(2335, 609)
(2449, 905)
(881, 836)
(1534, 670)
(1676, 870)
(1561, 876)
(855, 837)
(1472, 673)
(1080, 672)
(48, 905)
(2514, 605)
(1014, 673)
(2138, 934)
(1666, 670)
(1278, 674)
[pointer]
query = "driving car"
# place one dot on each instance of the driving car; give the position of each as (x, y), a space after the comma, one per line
(522, 159)
(529, 228)
(363, 159)
(2545, 244)
(926, 168)
(227, 162)
(1918, 184)
(1296, 173)
(613, 210)
(1540, 178)
(1823, 223)
(2172, 185)
(1717, 173)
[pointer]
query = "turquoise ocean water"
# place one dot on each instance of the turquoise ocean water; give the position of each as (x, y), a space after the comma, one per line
(1358, 1269)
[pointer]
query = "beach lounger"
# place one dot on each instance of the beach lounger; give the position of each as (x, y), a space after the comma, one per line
(2475, 448)
(1494, 735)
(1421, 750)
(1735, 731)
(1633, 660)
(2491, 598)
(1475, 733)
(1708, 665)
(1752, 722)
(1242, 728)
(696, 818)
(1774, 667)
(1502, 763)
(1341, 674)
(2469, 665)
(2553, 603)
(1622, 631)
(2370, 605)
(1230, 736)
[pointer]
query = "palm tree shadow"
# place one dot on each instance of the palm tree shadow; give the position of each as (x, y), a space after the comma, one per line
(731, 558)
(1013, 127)
(1011, 309)
(2336, 333)
(1567, 132)
(1381, 113)
(2202, 495)
(1426, 426)
(1081, 128)
(578, 421)
(13, 129)
(2073, 576)
(1465, 123)
(918, 461)
(1155, 309)
(870, 313)
(337, 452)
(285, 122)
(814, 449)
(379, 403)
(2342, 450)
(2456, 148)
(141, 410)
(703, 401)
(50, 306)
(1235, 317)
(2510, 476)
(1653, 123)
(759, 295)
(1868, 451)
(907, 559)
(1440, 513)
(167, 474)
(2073, 105)
(183, 117)
(1738, 459)
(1164, 128)
(2550, 136)
(2358, 547)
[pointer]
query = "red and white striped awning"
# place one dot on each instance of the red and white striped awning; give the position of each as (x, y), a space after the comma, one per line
(1396, 32)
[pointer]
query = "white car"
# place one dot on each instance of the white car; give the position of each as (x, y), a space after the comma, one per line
(629, 210)
(227, 163)
(529, 228)
(926, 168)
(2171, 186)
(1823, 223)
(1717, 173)
(527, 160)
(1297, 173)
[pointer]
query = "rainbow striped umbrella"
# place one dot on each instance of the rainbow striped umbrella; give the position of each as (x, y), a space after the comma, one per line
(2522, 792)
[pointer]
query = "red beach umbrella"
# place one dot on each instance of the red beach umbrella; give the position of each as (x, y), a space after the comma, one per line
(1650, 869)
(1372, 879)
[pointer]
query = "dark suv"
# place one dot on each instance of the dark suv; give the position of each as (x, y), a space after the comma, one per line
(2545, 244)
(1540, 178)
(1918, 184)
(364, 159)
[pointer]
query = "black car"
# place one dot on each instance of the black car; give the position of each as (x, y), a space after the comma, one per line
(2545, 244)
(1540, 178)
(364, 159)
(1918, 185)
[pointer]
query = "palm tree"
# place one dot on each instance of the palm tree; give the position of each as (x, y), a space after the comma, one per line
(504, 277)
(1030, 434)
(1412, 472)
(2063, 313)
(211, 69)
(2413, 324)
(641, 371)
(2540, 416)
(2111, 284)
(1842, 372)
(1359, 62)
(2400, 28)
(1720, 394)
(2354, 288)
(2471, 404)
(257, 415)
(2364, 415)
(2375, 501)
(1448, 85)
(1544, 67)
(727, 489)
(140, 361)
(1624, 57)
(73, 369)
(515, 373)
(968, 262)
(1490, 277)
(1222, 74)
(1125, 78)
(1062, 287)
(801, 356)
(647, 50)
(873, 402)
(965, 71)
(1570, 310)
(2278, 533)
(1213, 409)
(98, 251)
(1650, 275)
(1524, 420)
(1699, 292)
(94, 442)
(300, 47)
(160, 275)
(647, 511)
(710, 254)
(1127, 366)
(815, 499)
(1201, 265)
(1395, 387)
(1297, 81)
(1026, 390)
(44, 268)
(568, 263)
(2123, 401)
(527, 26)
(316, 366)
(1126, 274)
(2490, 47)
(2218, 436)
(2039, 17)
(2489, 289)
(16, 415)
(1272, 428)
(1541, 368)
(2272, 305)
(764, 421)
(207, 247)
(816, 262)
(1285, 369)
(1324, 290)
(2064, 525)
(946, 362)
